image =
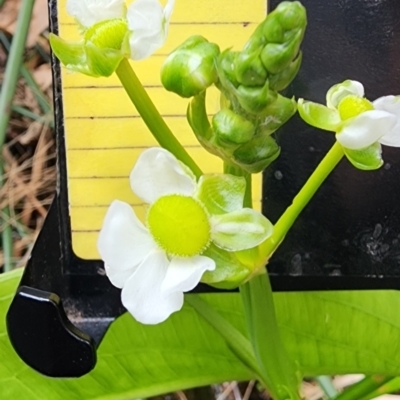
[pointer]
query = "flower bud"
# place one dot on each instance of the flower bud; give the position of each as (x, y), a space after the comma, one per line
(283, 79)
(255, 155)
(255, 99)
(277, 114)
(284, 30)
(190, 68)
(232, 128)
(249, 69)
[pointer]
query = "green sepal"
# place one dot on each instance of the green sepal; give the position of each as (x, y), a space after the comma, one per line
(283, 79)
(367, 159)
(319, 116)
(277, 114)
(190, 68)
(278, 56)
(255, 155)
(255, 99)
(72, 55)
(226, 63)
(229, 272)
(221, 194)
(240, 230)
(249, 69)
(232, 128)
(102, 62)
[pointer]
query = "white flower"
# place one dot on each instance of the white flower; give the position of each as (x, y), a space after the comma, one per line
(358, 123)
(147, 21)
(155, 264)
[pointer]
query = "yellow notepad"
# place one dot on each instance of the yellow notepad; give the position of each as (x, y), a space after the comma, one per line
(103, 132)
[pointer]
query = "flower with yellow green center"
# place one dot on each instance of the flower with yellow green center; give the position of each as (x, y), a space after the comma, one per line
(361, 126)
(156, 262)
(111, 32)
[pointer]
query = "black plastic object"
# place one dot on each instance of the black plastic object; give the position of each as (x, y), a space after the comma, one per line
(347, 238)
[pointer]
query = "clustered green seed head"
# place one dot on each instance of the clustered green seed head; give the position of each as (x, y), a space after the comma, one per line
(249, 82)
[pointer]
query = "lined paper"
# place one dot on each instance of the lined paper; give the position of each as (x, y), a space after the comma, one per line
(104, 133)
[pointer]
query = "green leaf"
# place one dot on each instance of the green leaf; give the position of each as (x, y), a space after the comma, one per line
(319, 115)
(367, 159)
(324, 333)
(134, 360)
(221, 193)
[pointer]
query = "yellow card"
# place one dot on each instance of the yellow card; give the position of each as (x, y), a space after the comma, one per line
(104, 134)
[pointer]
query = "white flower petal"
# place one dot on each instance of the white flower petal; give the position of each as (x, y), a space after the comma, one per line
(390, 104)
(89, 12)
(123, 241)
(117, 276)
(365, 129)
(158, 173)
(142, 295)
(149, 23)
(338, 92)
(184, 274)
(144, 46)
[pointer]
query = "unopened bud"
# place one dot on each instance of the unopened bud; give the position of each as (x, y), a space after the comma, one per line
(250, 71)
(232, 128)
(255, 155)
(190, 68)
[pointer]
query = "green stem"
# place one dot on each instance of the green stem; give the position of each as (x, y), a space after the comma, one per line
(325, 382)
(391, 386)
(234, 338)
(152, 117)
(7, 93)
(278, 372)
(306, 193)
(363, 388)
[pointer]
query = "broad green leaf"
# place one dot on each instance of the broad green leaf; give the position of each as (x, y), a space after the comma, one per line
(134, 360)
(324, 332)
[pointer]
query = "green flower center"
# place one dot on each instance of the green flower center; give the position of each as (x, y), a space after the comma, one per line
(179, 225)
(351, 106)
(107, 34)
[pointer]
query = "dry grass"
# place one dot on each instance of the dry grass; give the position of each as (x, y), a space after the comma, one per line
(29, 151)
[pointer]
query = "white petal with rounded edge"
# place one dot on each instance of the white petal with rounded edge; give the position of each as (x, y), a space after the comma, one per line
(184, 274)
(338, 92)
(158, 173)
(123, 242)
(144, 46)
(142, 295)
(117, 276)
(89, 12)
(390, 104)
(149, 23)
(365, 129)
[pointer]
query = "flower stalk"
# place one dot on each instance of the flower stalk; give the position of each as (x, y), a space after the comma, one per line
(306, 193)
(277, 370)
(152, 117)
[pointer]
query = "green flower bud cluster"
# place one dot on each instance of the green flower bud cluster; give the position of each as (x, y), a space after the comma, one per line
(249, 81)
